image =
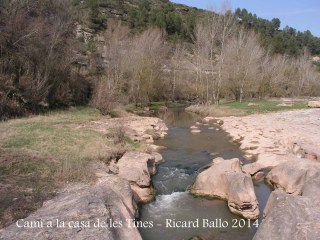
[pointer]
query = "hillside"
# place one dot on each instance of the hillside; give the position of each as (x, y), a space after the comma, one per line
(57, 54)
(179, 21)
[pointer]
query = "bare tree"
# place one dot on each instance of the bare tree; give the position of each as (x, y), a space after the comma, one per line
(35, 42)
(211, 37)
(177, 59)
(271, 77)
(306, 73)
(241, 65)
(109, 85)
(144, 64)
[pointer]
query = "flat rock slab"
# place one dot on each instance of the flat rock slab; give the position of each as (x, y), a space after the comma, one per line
(266, 161)
(225, 179)
(110, 200)
(291, 132)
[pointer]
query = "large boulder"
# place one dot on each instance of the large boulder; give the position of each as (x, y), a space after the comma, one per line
(290, 217)
(291, 176)
(225, 179)
(110, 200)
(314, 104)
(137, 168)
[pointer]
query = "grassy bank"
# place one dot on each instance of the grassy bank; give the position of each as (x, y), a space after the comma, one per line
(39, 155)
(155, 106)
(246, 107)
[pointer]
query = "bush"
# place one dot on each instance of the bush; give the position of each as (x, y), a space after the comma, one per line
(10, 108)
(37, 52)
(118, 135)
(103, 98)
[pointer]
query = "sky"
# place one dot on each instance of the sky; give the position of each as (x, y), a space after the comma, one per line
(300, 14)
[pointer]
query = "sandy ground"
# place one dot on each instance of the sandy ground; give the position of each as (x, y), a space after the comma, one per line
(275, 137)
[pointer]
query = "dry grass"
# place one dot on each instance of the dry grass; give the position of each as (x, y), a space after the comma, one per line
(245, 108)
(41, 154)
(216, 111)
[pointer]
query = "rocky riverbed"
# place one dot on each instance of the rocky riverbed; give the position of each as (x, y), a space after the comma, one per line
(288, 144)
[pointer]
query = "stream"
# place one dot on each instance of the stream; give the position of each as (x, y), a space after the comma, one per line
(185, 153)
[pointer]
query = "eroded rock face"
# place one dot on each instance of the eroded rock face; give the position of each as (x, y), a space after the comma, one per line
(110, 199)
(291, 176)
(290, 217)
(225, 179)
(142, 195)
(137, 168)
(241, 196)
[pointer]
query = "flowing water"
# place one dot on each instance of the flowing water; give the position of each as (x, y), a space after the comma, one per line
(185, 153)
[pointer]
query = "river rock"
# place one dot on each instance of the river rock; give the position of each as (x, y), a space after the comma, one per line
(137, 168)
(225, 179)
(157, 158)
(220, 122)
(195, 131)
(156, 148)
(314, 104)
(291, 176)
(290, 217)
(208, 119)
(110, 199)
